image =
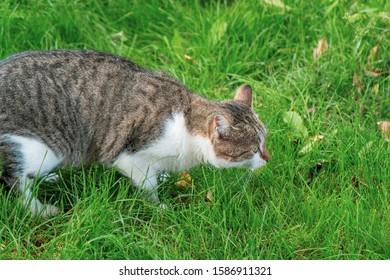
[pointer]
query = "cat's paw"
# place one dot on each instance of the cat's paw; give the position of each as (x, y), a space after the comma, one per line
(42, 210)
(49, 210)
(51, 178)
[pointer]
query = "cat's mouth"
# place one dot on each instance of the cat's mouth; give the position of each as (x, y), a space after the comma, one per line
(258, 166)
(253, 163)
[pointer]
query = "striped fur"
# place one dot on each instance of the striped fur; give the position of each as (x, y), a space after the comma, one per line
(77, 107)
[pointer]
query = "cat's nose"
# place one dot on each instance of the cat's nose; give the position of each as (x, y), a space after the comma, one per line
(265, 155)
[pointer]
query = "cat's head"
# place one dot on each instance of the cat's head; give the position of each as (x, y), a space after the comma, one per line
(237, 135)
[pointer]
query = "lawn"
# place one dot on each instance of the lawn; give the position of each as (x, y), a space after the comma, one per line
(320, 74)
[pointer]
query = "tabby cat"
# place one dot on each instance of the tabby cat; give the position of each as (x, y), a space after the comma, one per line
(73, 107)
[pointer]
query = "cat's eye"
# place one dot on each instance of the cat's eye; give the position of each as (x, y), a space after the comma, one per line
(255, 149)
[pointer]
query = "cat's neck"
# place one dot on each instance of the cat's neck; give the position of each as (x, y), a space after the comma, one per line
(199, 115)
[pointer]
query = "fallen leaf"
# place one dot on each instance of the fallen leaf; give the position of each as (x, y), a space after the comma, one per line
(209, 196)
(322, 47)
(309, 146)
(185, 181)
(295, 121)
(186, 56)
(372, 73)
(384, 126)
(373, 54)
(369, 71)
(357, 83)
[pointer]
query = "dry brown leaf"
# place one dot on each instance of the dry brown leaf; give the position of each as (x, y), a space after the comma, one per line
(369, 71)
(185, 181)
(322, 47)
(384, 126)
(209, 196)
(373, 54)
(357, 83)
(372, 73)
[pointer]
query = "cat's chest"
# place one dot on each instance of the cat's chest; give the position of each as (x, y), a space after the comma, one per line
(175, 150)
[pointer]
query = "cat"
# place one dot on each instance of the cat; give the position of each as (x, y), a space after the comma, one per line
(72, 107)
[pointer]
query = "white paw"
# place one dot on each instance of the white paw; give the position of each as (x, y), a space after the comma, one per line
(39, 209)
(51, 178)
(49, 211)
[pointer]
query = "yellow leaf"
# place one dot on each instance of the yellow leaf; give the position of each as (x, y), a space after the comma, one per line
(186, 56)
(322, 47)
(185, 181)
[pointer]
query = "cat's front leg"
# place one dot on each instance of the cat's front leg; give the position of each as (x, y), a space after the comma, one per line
(30, 201)
(142, 173)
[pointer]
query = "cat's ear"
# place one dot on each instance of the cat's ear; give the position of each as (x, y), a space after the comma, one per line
(244, 95)
(222, 126)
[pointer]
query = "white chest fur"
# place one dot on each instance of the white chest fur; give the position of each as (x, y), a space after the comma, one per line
(177, 149)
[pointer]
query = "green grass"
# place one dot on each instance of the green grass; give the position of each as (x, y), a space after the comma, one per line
(329, 203)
